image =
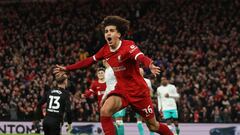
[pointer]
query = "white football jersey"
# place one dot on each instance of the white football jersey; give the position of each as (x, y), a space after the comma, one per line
(149, 84)
(110, 81)
(165, 103)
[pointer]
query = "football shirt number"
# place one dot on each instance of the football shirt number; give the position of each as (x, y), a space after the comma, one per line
(148, 110)
(54, 102)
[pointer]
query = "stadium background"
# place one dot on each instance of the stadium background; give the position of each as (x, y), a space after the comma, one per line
(196, 44)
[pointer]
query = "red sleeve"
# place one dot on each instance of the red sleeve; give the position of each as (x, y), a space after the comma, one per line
(146, 61)
(88, 93)
(87, 62)
(80, 64)
(100, 54)
(135, 53)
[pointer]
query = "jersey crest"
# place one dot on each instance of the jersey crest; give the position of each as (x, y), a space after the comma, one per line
(119, 58)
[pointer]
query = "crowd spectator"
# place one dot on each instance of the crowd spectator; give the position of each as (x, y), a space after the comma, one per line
(196, 44)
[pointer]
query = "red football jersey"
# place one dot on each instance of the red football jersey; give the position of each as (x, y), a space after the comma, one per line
(96, 88)
(126, 67)
(124, 61)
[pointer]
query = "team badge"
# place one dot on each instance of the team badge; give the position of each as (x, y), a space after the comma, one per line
(119, 58)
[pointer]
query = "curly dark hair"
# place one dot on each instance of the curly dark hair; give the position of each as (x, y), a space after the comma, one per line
(122, 25)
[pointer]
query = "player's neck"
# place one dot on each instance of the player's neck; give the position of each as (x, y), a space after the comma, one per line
(116, 46)
(101, 80)
(61, 86)
(165, 84)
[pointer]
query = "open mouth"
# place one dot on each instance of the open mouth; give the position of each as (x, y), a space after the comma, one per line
(109, 39)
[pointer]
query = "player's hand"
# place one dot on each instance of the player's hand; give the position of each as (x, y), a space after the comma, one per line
(58, 69)
(154, 69)
(167, 95)
(60, 74)
(69, 128)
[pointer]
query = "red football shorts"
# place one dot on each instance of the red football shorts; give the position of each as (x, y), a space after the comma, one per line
(141, 103)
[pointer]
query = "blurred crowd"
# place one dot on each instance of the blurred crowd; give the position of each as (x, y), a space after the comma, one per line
(196, 44)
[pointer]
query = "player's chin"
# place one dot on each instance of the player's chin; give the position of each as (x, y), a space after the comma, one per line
(110, 44)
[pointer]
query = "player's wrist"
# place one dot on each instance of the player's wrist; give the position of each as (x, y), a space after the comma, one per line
(150, 65)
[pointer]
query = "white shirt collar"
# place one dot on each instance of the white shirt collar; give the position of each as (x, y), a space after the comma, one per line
(119, 45)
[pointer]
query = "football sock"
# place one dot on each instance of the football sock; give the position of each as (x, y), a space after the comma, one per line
(107, 125)
(140, 128)
(177, 130)
(164, 130)
(120, 127)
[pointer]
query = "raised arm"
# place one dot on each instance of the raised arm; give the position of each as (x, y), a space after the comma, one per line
(81, 64)
(147, 62)
(135, 53)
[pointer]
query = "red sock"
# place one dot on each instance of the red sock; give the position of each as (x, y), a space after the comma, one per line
(164, 130)
(107, 125)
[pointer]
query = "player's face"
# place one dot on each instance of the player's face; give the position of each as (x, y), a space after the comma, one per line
(112, 36)
(164, 81)
(100, 74)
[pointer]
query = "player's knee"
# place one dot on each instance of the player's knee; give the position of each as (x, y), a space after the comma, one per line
(153, 127)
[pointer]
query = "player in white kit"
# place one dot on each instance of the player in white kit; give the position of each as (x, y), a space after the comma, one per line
(167, 96)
